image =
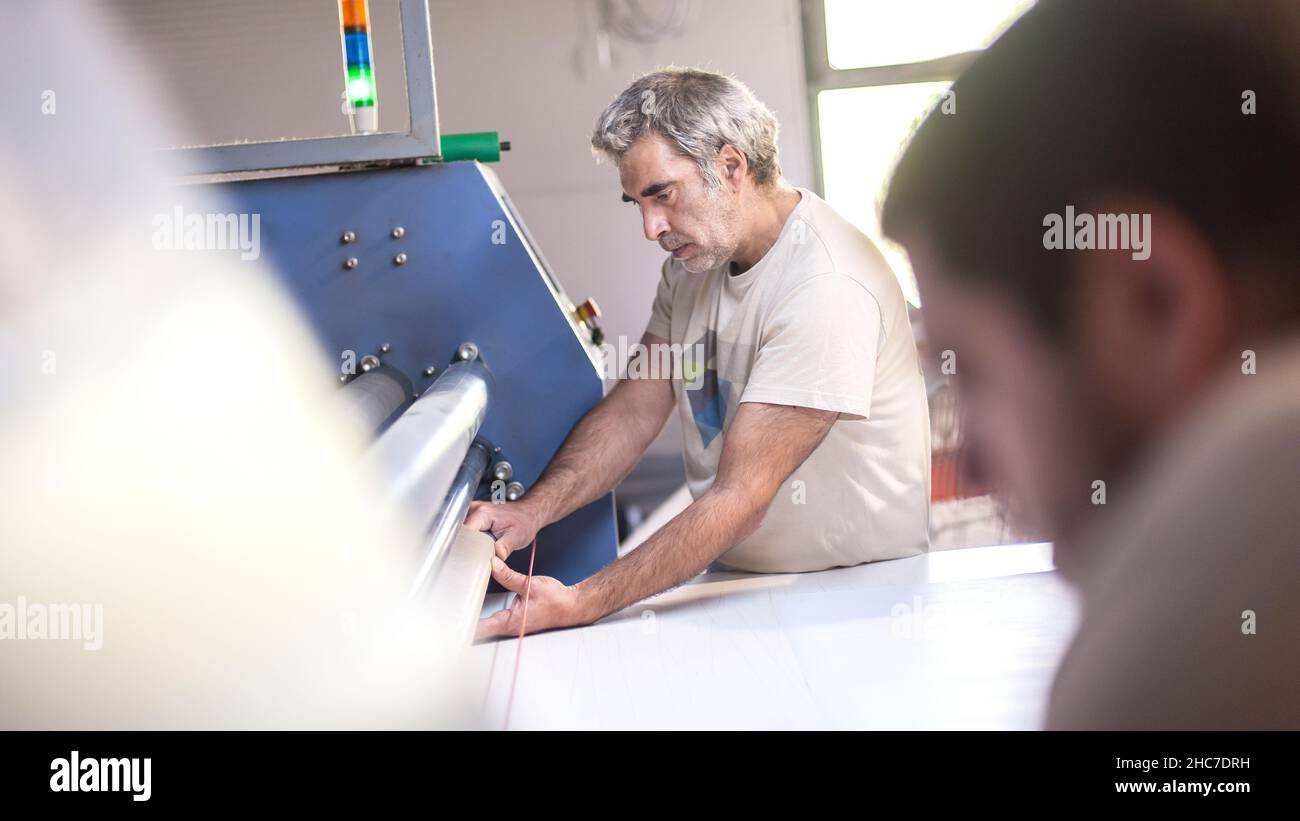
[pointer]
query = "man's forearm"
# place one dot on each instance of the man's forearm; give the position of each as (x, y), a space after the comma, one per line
(601, 449)
(680, 550)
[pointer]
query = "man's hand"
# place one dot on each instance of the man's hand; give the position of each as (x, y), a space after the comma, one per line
(513, 525)
(600, 450)
(764, 445)
(551, 605)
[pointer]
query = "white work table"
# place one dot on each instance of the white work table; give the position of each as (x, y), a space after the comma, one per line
(961, 639)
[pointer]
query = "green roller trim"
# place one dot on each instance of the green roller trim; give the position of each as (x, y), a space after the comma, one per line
(484, 146)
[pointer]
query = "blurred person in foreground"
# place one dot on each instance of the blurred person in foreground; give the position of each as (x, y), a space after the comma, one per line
(1106, 234)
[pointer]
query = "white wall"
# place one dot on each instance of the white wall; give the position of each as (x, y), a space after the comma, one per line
(528, 69)
(255, 70)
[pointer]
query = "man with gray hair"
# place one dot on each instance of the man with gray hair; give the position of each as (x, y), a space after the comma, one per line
(806, 428)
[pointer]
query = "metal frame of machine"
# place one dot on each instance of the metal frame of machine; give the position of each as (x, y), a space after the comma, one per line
(421, 141)
(406, 267)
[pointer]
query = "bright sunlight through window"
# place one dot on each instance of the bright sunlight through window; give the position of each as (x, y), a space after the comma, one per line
(862, 131)
(891, 32)
(864, 127)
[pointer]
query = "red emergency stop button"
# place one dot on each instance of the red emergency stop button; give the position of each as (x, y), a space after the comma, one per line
(587, 311)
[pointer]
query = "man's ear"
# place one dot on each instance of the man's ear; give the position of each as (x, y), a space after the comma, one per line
(1153, 318)
(732, 167)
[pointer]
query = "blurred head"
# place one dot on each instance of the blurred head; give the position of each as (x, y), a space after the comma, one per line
(1071, 361)
(695, 151)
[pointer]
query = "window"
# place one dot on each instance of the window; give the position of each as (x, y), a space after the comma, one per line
(875, 68)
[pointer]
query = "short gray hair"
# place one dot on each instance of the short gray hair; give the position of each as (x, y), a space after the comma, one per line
(698, 112)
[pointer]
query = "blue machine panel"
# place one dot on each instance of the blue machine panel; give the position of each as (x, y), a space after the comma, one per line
(468, 276)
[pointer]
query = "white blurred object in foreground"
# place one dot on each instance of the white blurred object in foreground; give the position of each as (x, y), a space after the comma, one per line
(171, 458)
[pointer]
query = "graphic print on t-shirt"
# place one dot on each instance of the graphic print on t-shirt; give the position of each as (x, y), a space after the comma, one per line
(707, 393)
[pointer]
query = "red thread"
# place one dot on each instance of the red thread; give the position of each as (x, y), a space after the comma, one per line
(519, 648)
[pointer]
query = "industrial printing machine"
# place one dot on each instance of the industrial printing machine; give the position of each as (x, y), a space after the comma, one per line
(457, 346)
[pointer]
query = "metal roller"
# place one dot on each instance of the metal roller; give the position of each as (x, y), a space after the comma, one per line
(450, 516)
(376, 396)
(422, 452)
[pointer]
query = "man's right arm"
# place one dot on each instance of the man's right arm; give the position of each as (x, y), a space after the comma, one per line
(597, 454)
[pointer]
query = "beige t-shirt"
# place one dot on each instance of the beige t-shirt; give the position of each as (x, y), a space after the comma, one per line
(819, 322)
(1189, 576)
